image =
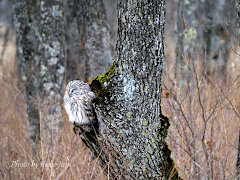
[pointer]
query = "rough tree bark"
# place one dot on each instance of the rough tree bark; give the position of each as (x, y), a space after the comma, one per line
(111, 12)
(27, 41)
(91, 48)
(52, 64)
(131, 143)
(39, 29)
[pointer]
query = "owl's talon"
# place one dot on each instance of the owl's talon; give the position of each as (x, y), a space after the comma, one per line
(77, 130)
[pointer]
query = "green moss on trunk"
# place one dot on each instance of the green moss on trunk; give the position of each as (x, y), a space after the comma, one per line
(97, 83)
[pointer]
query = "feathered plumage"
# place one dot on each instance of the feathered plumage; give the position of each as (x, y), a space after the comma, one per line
(78, 104)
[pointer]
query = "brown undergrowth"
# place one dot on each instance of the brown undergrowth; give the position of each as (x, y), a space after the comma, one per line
(205, 118)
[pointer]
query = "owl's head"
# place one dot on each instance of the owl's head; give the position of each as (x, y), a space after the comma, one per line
(76, 87)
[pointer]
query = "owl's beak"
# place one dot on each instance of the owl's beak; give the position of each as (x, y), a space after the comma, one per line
(70, 95)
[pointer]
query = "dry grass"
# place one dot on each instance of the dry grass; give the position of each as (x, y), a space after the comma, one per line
(203, 136)
(205, 119)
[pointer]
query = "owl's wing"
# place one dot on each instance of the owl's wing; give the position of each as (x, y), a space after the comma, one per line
(89, 109)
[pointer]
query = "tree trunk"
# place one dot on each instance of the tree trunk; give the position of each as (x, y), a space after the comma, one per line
(39, 29)
(214, 32)
(75, 67)
(52, 65)
(93, 48)
(131, 143)
(27, 42)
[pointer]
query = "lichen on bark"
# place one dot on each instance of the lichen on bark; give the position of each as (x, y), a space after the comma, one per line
(25, 18)
(39, 30)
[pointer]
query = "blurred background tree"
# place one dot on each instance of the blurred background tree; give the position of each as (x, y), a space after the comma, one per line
(203, 30)
(40, 51)
(89, 48)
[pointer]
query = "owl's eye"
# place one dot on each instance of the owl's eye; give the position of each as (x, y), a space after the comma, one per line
(71, 92)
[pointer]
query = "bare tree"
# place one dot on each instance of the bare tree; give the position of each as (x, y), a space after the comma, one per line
(39, 29)
(131, 143)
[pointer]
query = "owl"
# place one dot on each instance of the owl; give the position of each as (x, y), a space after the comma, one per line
(78, 104)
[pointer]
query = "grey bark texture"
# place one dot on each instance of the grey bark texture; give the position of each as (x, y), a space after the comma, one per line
(39, 29)
(111, 12)
(131, 142)
(27, 42)
(52, 65)
(90, 54)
